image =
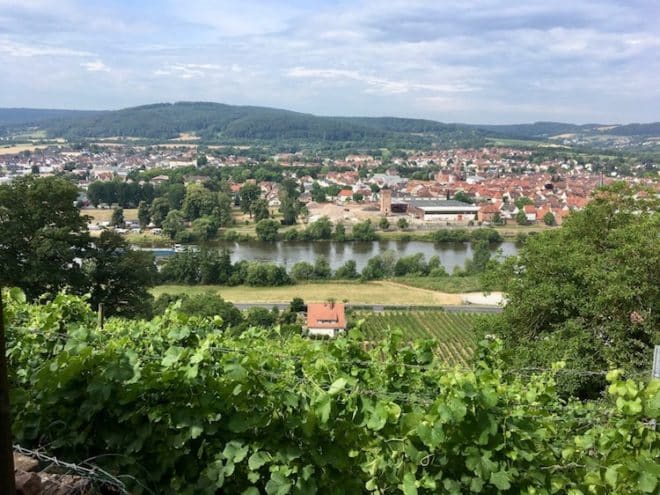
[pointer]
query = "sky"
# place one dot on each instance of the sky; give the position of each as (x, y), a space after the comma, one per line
(480, 61)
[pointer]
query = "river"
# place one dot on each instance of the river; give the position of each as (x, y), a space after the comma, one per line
(289, 252)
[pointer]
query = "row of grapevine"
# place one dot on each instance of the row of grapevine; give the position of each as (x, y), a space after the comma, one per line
(175, 405)
(454, 332)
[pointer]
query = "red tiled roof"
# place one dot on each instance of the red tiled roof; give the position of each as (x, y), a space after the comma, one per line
(326, 315)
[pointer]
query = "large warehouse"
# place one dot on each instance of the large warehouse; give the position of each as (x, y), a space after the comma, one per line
(447, 211)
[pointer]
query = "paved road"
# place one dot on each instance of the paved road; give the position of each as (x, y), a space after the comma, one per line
(468, 308)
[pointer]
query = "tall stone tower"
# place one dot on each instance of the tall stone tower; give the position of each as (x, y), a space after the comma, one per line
(386, 201)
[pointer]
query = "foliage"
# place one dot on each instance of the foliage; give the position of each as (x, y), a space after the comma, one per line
(119, 277)
(260, 210)
(549, 219)
(173, 224)
(521, 218)
(384, 223)
(453, 332)
(117, 218)
(347, 271)
(465, 235)
(42, 235)
(256, 412)
(144, 215)
(249, 195)
(402, 223)
(364, 231)
(266, 230)
(594, 282)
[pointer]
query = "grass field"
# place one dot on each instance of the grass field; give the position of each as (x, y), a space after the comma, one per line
(104, 215)
(380, 292)
(454, 332)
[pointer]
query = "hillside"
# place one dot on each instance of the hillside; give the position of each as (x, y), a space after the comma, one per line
(217, 122)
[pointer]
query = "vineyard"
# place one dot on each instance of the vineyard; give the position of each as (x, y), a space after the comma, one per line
(177, 406)
(454, 332)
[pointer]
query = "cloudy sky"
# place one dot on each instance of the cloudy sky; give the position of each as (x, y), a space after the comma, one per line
(480, 61)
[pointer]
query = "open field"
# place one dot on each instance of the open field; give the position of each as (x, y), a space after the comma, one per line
(454, 332)
(104, 215)
(17, 148)
(380, 292)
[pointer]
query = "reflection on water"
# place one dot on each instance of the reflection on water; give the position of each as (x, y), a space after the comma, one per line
(290, 252)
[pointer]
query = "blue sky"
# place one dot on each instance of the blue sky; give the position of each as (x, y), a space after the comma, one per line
(479, 61)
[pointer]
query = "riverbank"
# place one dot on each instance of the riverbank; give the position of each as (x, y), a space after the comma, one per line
(388, 292)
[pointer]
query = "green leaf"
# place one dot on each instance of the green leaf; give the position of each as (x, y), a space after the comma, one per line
(257, 460)
(196, 431)
(647, 482)
(323, 408)
(501, 480)
(278, 484)
(612, 474)
(337, 386)
(409, 487)
(172, 355)
(250, 491)
(235, 451)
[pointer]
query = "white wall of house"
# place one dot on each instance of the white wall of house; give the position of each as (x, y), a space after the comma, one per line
(323, 332)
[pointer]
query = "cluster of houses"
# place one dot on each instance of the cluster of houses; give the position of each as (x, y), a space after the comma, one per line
(491, 179)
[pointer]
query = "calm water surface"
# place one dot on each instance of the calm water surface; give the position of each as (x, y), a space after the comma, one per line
(290, 252)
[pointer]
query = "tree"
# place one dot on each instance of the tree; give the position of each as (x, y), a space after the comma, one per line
(144, 215)
(497, 219)
(357, 197)
(260, 210)
(267, 230)
(522, 201)
(159, 210)
(384, 223)
(317, 193)
(521, 218)
(347, 271)
(480, 258)
(340, 232)
(42, 234)
(173, 224)
(322, 268)
(321, 229)
(249, 194)
(549, 219)
(302, 271)
(198, 202)
(117, 219)
(223, 210)
(120, 277)
(464, 197)
(364, 231)
(297, 305)
(402, 223)
(205, 228)
(587, 293)
(202, 160)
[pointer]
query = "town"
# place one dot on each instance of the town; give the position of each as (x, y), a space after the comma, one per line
(456, 187)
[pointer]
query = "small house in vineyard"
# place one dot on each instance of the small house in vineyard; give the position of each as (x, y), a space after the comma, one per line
(325, 319)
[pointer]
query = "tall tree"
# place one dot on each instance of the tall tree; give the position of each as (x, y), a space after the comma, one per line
(117, 219)
(249, 194)
(120, 277)
(588, 293)
(144, 216)
(42, 235)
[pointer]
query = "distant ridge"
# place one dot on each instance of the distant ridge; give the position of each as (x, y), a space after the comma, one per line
(218, 122)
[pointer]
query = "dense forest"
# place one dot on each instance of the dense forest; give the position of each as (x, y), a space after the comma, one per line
(216, 122)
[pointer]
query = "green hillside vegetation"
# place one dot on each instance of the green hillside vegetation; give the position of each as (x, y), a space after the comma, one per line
(454, 332)
(215, 122)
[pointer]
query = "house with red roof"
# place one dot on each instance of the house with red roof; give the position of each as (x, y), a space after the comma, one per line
(326, 319)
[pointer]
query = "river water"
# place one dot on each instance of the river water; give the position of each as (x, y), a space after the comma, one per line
(289, 252)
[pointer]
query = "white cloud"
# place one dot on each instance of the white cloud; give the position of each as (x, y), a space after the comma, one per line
(17, 49)
(378, 84)
(95, 66)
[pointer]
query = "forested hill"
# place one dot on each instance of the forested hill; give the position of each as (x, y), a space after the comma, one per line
(220, 122)
(216, 122)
